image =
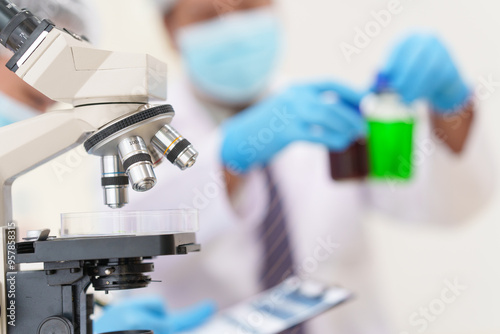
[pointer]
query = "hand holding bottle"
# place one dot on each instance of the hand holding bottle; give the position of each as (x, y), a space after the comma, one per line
(420, 67)
(300, 113)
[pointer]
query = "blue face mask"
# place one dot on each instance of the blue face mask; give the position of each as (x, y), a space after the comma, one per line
(12, 111)
(232, 58)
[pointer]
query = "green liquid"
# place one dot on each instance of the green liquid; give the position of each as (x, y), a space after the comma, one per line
(390, 148)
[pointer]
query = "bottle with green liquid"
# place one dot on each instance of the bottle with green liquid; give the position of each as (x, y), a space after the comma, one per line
(391, 126)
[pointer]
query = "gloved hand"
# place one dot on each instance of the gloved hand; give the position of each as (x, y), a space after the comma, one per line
(420, 67)
(150, 313)
(256, 135)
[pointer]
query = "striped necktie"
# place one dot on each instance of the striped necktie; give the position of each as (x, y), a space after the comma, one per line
(278, 259)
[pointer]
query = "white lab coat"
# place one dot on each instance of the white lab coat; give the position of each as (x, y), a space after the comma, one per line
(325, 217)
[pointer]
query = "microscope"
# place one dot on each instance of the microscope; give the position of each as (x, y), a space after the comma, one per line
(117, 114)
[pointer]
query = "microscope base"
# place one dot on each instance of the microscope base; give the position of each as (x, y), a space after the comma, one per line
(54, 300)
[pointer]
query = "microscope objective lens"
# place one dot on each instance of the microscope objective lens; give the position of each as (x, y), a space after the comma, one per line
(137, 163)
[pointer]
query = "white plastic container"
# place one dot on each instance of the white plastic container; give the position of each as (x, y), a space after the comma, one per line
(129, 223)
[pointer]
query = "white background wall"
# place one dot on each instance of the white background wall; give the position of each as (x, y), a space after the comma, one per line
(413, 261)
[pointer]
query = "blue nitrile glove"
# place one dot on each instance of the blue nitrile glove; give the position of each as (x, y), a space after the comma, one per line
(420, 67)
(301, 113)
(150, 313)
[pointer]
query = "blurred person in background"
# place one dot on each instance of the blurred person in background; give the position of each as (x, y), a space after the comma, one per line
(268, 207)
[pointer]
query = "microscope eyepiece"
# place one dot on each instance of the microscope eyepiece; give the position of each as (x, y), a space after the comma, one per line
(16, 26)
(178, 150)
(7, 12)
(137, 163)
